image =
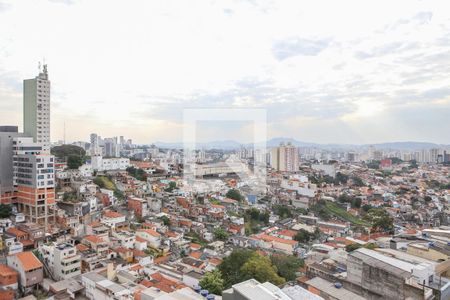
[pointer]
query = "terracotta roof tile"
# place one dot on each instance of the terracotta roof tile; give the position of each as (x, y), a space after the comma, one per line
(6, 271)
(93, 239)
(28, 260)
(112, 214)
(150, 232)
(16, 232)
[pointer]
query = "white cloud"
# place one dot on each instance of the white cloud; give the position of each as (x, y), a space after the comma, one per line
(123, 68)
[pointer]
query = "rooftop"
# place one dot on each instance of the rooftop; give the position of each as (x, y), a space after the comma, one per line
(29, 261)
(330, 289)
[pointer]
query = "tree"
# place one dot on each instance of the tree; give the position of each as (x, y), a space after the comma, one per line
(287, 265)
(220, 234)
(74, 161)
(244, 264)
(165, 220)
(356, 203)
(352, 247)
(230, 268)
(374, 164)
(413, 164)
(357, 181)
(213, 282)
(302, 236)
(283, 211)
(64, 151)
(380, 219)
(172, 186)
(119, 194)
(366, 207)
(261, 269)
(234, 194)
(5, 210)
(137, 173)
(341, 178)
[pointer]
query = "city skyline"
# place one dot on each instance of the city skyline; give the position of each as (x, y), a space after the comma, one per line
(325, 76)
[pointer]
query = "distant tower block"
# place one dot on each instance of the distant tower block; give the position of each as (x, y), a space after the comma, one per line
(36, 108)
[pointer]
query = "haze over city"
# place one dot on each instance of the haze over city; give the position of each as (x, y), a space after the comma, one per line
(327, 71)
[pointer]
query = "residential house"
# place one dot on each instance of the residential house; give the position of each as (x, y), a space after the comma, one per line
(29, 267)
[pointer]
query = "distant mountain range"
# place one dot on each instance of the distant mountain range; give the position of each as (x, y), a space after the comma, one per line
(231, 144)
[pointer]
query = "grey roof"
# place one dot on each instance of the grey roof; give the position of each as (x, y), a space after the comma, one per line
(69, 284)
(329, 288)
(389, 264)
(296, 292)
(252, 289)
(94, 276)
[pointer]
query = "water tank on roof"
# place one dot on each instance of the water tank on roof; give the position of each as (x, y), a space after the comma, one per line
(204, 293)
(210, 297)
(197, 288)
(337, 285)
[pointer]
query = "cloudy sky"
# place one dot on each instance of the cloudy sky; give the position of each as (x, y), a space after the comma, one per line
(326, 71)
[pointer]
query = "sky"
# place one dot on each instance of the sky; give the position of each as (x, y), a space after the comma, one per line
(325, 71)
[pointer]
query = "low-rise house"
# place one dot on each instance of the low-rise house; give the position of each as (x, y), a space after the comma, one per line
(125, 239)
(29, 267)
(62, 259)
(8, 282)
(151, 236)
(140, 244)
(96, 243)
(276, 243)
(100, 288)
(113, 219)
(138, 205)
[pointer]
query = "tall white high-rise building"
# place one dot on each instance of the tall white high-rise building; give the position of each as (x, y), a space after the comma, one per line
(285, 158)
(95, 148)
(36, 109)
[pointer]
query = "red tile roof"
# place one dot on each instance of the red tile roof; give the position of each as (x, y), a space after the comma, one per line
(82, 248)
(287, 232)
(7, 271)
(112, 214)
(16, 232)
(93, 239)
(269, 238)
(150, 232)
(196, 254)
(195, 246)
(29, 261)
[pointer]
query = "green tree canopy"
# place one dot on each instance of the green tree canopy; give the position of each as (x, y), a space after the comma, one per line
(74, 161)
(261, 269)
(380, 219)
(213, 282)
(5, 210)
(172, 186)
(341, 178)
(64, 151)
(165, 220)
(234, 194)
(220, 234)
(283, 211)
(287, 265)
(137, 173)
(303, 236)
(230, 268)
(245, 264)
